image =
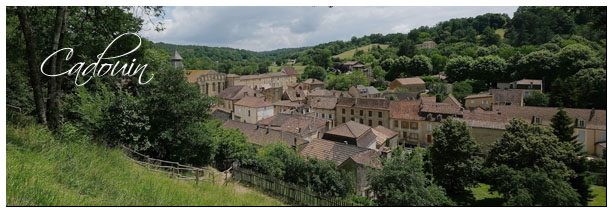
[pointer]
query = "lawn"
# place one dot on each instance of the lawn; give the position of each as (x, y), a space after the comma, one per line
(73, 171)
(500, 32)
(349, 53)
(600, 196)
(482, 197)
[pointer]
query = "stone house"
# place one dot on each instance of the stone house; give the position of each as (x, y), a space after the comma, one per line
(252, 109)
(411, 84)
(368, 111)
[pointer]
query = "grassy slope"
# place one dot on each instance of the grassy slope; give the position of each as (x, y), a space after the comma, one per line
(349, 53)
(600, 198)
(45, 171)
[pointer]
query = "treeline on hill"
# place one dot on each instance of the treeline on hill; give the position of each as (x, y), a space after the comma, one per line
(563, 46)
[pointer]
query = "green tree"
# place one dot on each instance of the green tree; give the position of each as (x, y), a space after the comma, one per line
(420, 65)
(527, 167)
(438, 63)
(321, 57)
(564, 128)
(459, 68)
(461, 90)
(564, 93)
(402, 182)
(573, 58)
(455, 161)
(592, 85)
(489, 37)
(407, 48)
(536, 98)
(491, 69)
(536, 65)
(315, 72)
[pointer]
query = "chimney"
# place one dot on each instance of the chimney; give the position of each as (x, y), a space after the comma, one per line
(592, 113)
(268, 129)
(355, 101)
(345, 142)
(245, 94)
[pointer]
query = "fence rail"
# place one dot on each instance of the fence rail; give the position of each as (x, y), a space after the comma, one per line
(289, 191)
(174, 169)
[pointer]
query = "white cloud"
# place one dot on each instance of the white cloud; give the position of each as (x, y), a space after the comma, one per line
(268, 28)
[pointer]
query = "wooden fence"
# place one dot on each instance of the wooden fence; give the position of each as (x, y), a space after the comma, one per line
(289, 191)
(174, 169)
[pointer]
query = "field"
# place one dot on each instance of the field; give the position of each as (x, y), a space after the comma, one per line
(600, 196)
(45, 171)
(500, 32)
(482, 197)
(349, 53)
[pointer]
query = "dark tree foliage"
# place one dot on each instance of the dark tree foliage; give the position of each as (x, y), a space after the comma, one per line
(402, 182)
(527, 166)
(563, 127)
(536, 98)
(315, 72)
(407, 48)
(460, 68)
(537, 25)
(455, 161)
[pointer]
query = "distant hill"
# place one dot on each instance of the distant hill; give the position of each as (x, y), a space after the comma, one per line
(349, 53)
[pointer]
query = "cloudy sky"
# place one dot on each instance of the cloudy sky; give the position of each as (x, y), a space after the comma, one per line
(269, 28)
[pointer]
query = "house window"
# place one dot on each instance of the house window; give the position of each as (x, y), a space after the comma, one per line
(484, 102)
(405, 124)
(413, 125)
(343, 111)
(380, 123)
(361, 112)
(414, 136)
(351, 111)
(396, 123)
(330, 116)
(429, 127)
(405, 135)
(380, 114)
(361, 121)
(248, 112)
(343, 119)
(537, 120)
(581, 138)
(580, 123)
(472, 101)
(369, 122)
(370, 113)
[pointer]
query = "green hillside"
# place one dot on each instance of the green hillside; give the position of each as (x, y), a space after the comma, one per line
(349, 53)
(67, 170)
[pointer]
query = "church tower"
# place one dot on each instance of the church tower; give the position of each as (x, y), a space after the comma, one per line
(176, 60)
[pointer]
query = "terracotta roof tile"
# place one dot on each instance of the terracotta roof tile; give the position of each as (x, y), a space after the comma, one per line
(255, 102)
(236, 92)
(408, 110)
(478, 96)
(440, 108)
(368, 158)
(313, 81)
(513, 96)
(349, 129)
(323, 102)
(410, 81)
(329, 150)
(367, 103)
(289, 70)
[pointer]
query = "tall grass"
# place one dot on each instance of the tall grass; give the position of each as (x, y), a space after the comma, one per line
(44, 169)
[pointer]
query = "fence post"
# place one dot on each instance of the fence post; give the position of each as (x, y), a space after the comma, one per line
(197, 176)
(172, 172)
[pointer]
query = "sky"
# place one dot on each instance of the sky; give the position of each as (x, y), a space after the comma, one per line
(270, 28)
